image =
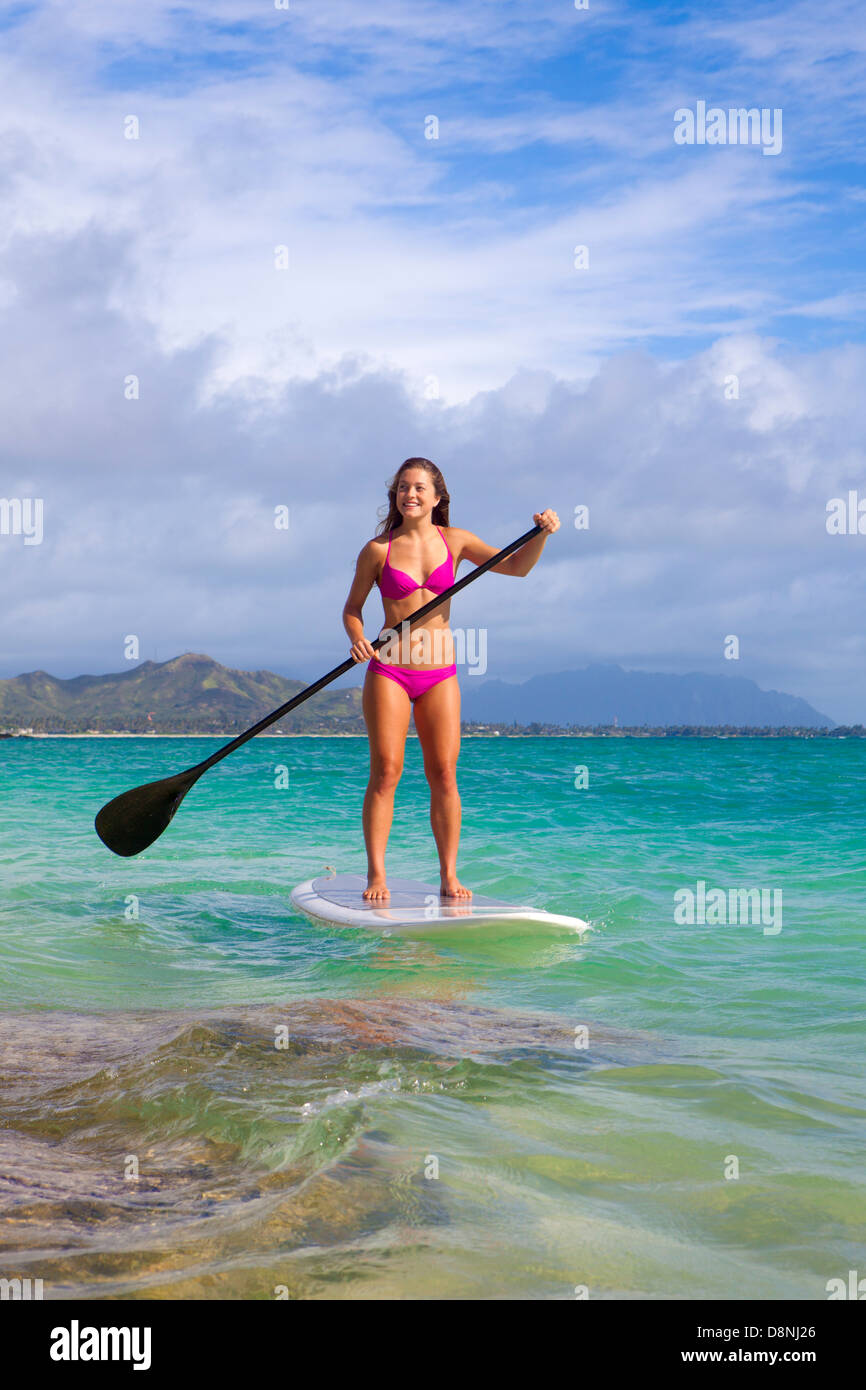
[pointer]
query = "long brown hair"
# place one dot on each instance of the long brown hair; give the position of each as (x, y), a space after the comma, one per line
(440, 511)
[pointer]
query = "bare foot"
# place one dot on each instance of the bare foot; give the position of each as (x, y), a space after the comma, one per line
(376, 888)
(451, 887)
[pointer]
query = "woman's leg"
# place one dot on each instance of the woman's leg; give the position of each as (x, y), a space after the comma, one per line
(386, 709)
(437, 720)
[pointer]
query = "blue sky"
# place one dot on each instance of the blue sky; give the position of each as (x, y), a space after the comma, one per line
(432, 305)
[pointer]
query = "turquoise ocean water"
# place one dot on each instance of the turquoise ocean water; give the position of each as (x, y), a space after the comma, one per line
(204, 1095)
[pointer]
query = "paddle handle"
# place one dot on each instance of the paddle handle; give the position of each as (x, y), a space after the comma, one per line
(349, 663)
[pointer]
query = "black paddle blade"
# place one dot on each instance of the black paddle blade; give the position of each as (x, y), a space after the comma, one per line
(136, 818)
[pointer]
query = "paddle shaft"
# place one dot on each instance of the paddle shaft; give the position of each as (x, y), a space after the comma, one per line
(349, 663)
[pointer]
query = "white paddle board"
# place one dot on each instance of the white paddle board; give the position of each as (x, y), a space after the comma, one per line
(415, 906)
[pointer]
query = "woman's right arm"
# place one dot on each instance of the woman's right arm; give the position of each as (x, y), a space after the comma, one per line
(365, 577)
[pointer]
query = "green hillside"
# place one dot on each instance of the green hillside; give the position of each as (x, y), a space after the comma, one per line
(189, 694)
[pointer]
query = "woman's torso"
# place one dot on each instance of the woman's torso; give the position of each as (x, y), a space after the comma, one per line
(429, 643)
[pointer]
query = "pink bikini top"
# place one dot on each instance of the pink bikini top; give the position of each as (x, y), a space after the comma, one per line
(396, 584)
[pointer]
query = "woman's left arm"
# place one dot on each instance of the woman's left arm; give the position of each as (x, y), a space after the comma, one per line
(521, 562)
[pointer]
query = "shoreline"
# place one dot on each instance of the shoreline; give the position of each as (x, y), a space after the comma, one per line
(855, 732)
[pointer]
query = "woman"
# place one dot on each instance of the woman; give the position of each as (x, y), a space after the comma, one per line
(416, 539)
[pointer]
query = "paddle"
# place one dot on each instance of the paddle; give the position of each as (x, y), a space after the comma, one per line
(136, 818)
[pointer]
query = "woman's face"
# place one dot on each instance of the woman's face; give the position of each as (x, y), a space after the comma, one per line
(415, 493)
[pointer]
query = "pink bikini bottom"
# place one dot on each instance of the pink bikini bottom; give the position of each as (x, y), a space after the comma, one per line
(415, 683)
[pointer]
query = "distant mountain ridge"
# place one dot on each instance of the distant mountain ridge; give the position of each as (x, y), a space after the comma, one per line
(604, 694)
(195, 694)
